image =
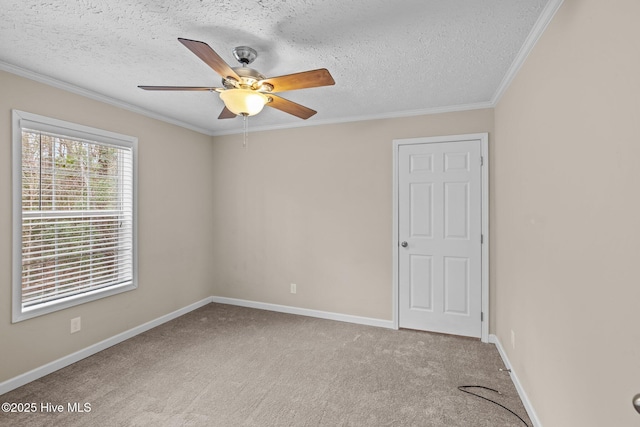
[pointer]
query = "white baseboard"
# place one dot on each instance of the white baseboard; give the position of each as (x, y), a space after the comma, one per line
(40, 372)
(523, 395)
(306, 312)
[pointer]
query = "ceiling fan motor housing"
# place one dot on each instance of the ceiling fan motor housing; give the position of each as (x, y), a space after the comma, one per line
(249, 79)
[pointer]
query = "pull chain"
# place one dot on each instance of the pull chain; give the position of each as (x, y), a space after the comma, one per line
(245, 126)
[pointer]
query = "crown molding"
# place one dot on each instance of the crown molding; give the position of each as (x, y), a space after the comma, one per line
(538, 29)
(382, 116)
(59, 84)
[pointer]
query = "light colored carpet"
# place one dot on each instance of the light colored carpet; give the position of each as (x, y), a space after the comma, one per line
(223, 365)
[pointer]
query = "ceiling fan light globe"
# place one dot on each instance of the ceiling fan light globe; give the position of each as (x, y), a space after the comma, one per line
(243, 101)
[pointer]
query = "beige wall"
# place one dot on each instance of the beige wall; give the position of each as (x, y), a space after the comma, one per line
(567, 217)
(313, 206)
(310, 206)
(175, 229)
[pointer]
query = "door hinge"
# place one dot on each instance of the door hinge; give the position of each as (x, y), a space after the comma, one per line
(481, 316)
(481, 160)
(482, 239)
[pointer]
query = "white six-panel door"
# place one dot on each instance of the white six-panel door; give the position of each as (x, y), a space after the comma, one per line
(439, 232)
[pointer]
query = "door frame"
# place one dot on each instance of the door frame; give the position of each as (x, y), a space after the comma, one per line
(395, 243)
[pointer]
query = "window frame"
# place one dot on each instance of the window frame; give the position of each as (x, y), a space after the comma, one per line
(73, 131)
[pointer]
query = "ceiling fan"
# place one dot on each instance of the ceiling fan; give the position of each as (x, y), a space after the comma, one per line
(245, 91)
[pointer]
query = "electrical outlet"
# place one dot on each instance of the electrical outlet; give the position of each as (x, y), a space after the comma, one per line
(75, 325)
(513, 339)
(293, 288)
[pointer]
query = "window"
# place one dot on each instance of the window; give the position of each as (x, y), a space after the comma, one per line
(74, 226)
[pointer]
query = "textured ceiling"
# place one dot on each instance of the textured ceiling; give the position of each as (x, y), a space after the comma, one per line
(388, 58)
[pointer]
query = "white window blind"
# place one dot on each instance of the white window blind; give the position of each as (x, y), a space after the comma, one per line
(76, 215)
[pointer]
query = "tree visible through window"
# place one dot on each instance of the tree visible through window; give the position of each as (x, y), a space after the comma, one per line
(76, 197)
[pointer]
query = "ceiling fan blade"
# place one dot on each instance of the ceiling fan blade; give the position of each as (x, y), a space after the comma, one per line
(210, 57)
(303, 80)
(192, 88)
(290, 107)
(226, 114)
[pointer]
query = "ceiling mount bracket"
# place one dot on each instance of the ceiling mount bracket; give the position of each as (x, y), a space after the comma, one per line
(245, 55)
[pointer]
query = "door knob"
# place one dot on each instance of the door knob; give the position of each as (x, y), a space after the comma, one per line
(404, 244)
(636, 402)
